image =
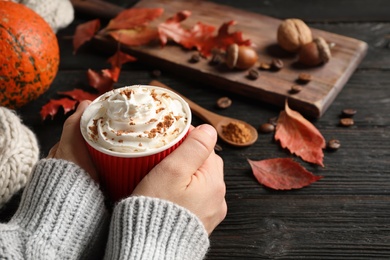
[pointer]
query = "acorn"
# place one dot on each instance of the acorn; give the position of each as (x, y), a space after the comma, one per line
(240, 57)
(314, 53)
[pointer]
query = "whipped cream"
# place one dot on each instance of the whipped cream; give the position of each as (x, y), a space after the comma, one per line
(135, 119)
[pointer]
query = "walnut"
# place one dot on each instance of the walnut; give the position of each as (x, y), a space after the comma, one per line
(292, 34)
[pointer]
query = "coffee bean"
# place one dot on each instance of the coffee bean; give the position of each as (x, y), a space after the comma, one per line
(349, 112)
(195, 58)
(216, 59)
(333, 144)
(253, 74)
(224, 102)
(295, 89)
(346, 121)
(266, 128)
(304, 78)
(277, 64)
(273, 120)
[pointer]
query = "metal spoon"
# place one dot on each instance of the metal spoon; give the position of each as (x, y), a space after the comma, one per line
(215, 120)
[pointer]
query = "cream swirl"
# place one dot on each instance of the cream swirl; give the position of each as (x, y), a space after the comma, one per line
(135, 119)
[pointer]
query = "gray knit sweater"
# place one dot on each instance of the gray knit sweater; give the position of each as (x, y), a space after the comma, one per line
(62, 216)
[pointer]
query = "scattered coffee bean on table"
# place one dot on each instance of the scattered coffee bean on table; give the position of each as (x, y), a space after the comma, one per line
(253, 74)
(333, 144)
(304, 78)
(273, 120)
(224, 102)
(295, 89)
(346, 121)
(195, 58)
(266, 128)
(277, 64)
(349, 112)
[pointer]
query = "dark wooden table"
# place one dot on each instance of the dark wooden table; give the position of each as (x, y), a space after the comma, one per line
(345, 215)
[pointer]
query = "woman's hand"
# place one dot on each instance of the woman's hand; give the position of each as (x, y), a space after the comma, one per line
(192, 177)
(71, 146)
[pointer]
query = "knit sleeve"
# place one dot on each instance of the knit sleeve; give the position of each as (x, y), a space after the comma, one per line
(61, 215)
(150, 228)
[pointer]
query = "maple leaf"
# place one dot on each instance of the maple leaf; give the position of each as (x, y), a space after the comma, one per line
(134, 37)
(85, 32)
(282, 174)
(52, 107)
(134, 17)
(79, 95)
(300, 136)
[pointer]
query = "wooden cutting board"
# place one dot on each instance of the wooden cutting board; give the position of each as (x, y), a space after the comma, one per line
(271, 87)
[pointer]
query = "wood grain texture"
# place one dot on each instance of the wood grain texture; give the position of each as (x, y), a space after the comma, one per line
(345, 215)
(271, 87)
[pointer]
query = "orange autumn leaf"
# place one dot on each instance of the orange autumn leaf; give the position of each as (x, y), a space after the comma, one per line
(134, 37)
(52, 107)
(200, 36)
(282, 174)
(85, 32)
(300, 136)
(134, 17)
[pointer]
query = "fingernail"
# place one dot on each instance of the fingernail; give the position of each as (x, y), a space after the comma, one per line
(208, 129)
(83, 104)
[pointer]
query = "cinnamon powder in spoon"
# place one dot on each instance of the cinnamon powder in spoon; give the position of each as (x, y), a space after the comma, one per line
(236, 132)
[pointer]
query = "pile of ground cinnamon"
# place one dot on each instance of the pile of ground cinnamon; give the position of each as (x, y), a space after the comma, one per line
(236, 132)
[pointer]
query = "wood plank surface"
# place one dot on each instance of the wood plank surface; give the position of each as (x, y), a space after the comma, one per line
(271, 87)
(345, 215)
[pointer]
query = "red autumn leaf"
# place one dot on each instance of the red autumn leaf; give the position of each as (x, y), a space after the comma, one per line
(282, 174)
(52, 107)
(134, 37)
(85, 32)
(300, 136)
(134, 17)
(224, 38)
(79, 95)
(103, 81)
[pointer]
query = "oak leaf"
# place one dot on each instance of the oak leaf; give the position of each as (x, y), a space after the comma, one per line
(282, 174)
(52, 107)
(201, 36)
(300, 136)
(103, 81)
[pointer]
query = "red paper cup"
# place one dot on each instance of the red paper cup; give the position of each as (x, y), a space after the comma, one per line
(119, 173)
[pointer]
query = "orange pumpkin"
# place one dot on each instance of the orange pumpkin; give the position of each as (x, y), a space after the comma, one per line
(29, 55)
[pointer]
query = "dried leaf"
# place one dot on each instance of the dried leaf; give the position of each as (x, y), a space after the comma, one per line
(201, 36)
(134, 37)
(102, 81)
(52, 107)
(79, 95)
(282, 174)
(300, 136)
(85, 32)
(120, 58)
(134, 17)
